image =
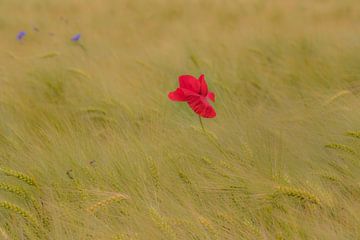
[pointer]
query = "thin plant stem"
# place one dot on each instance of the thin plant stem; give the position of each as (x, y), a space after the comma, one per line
(202, 125)
(211, 139)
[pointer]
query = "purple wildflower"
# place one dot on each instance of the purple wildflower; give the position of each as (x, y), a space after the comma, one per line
(20, 35)
(76, 37)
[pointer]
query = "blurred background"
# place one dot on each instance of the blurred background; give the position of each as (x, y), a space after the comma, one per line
(89, 123)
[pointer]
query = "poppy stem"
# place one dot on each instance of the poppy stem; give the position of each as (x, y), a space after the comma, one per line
(202, 125)
(214, 141)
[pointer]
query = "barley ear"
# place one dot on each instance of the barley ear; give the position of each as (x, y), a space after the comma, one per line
(299, 194)
(22, 177)
(14, 190)
(101, 204)
(340, 147)
(24, 214)
(353, 134)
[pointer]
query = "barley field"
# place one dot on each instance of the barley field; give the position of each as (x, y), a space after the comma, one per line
(91, 147)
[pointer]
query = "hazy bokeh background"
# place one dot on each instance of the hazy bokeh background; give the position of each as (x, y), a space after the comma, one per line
(113, 158)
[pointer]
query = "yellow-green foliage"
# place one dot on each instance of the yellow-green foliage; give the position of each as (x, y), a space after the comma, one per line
(3, 234)
(80, 120)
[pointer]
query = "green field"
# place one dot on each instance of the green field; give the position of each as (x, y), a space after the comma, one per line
(92, 148)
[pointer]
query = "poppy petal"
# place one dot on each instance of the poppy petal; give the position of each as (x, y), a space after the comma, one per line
(199, 105)
(203, 86)
(211, 96)
(177, 95)
(189, 82)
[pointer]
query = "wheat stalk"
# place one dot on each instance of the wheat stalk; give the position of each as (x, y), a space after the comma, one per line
(208, 225)
(206, 160)
(117, 197)
(184, 178)
(249, 155)
(22, 177)
(252, 228)
(16, 209)
(10, 233)
(79, 72)
(13, 189)
(94, 110)
(154, 173)
(336, 96)
(353, 134)
(298, 194)
(225, 217)
(49, 55)
(103, 119)
(340, 147)
(124, 236)
(161, 222)
(330, 177)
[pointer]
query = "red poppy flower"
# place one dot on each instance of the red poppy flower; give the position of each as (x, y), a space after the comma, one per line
(195, 92)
